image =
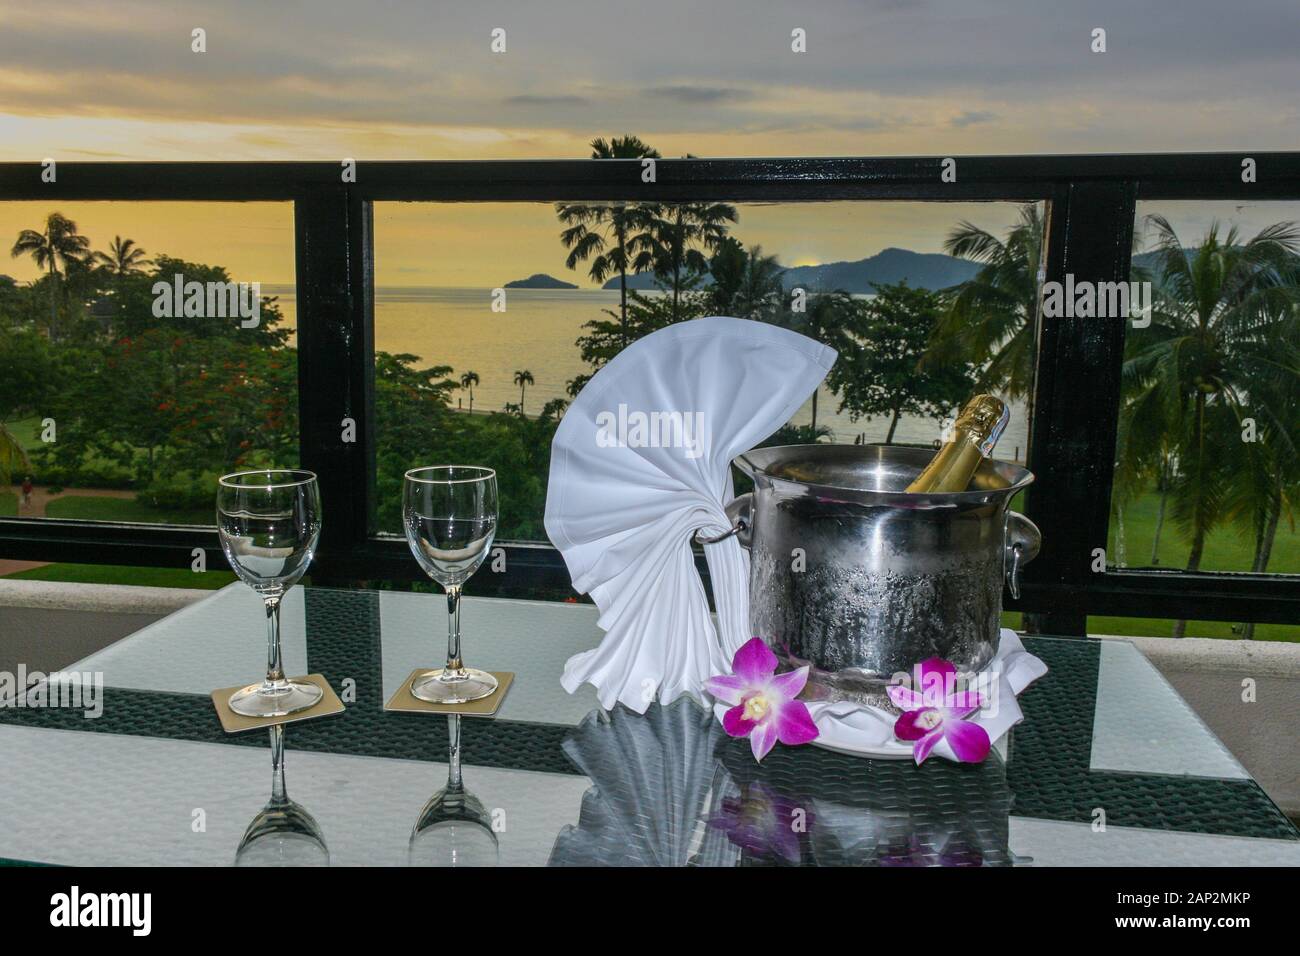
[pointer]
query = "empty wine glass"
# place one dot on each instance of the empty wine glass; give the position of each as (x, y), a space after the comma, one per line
(283, 833)
(454, 828)
(450, 516)
(269, 522)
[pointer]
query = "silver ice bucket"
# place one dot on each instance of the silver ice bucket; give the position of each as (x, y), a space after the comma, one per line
(861, 580)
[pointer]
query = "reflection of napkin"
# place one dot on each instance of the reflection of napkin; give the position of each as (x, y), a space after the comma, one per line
(654, 777)
(640, 463)
(847, 726)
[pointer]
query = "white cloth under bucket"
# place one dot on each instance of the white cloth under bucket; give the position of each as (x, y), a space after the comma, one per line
(640, 462)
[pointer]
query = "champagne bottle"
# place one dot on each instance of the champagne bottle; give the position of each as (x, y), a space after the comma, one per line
(977, 430)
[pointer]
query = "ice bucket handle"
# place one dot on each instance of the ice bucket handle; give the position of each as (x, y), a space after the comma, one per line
(1022, 542)
(738, 511)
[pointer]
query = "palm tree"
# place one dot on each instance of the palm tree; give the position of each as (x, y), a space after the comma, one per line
(1220, 349)
(523, 380)
(469, 380)
(825, 318)
(990, 319)
(614, 237)
(123, 257)
(683, 234)
(56, 247)
(759, 291)
(554, 409)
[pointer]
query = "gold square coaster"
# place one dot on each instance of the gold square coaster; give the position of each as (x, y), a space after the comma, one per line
(234, 723)
(405, 702)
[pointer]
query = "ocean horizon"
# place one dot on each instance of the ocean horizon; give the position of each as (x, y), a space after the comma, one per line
(456, 326)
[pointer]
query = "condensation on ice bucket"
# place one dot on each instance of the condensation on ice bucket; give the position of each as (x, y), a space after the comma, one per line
(860, 579)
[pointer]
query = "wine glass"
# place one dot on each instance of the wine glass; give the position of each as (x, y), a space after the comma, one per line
(450, 516)
(454, 828)
(269, 522)
(283, 833)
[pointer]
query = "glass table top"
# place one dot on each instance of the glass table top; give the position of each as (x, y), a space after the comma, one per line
(1109, 767)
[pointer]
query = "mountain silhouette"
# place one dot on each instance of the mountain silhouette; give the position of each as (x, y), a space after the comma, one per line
(925, 270)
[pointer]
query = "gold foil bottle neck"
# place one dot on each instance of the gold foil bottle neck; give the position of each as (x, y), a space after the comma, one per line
(981, 422)
(977, 430)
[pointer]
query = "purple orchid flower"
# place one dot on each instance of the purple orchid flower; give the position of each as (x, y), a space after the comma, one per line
(764, 823)
(914, 852)
(763, 705)
(937, 711)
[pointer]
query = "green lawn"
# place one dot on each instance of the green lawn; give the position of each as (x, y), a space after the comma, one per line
(1157, 627)
(1228, 548)
(122, 574)
(28, 433)
(123, 509)
(8, 504)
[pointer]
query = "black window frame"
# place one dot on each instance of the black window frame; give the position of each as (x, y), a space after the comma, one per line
(1091, 206)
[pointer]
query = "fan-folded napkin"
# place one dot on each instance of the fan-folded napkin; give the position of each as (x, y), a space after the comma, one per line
(639, 464)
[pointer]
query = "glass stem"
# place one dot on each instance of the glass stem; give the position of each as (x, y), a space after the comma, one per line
(278, 794)
(453, 752)
(274, 665)
(454, 664)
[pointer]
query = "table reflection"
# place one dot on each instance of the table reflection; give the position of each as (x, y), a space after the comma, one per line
(283, 833)
(669, 788)
(454, 828)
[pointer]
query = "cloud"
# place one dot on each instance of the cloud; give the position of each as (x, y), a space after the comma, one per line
(881, 76)
(696, 95)
(530, 99)
(973, 118)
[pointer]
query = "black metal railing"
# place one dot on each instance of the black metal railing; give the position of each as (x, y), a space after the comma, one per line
(1090, 209)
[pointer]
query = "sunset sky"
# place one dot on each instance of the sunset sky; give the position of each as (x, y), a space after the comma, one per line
(417, 80)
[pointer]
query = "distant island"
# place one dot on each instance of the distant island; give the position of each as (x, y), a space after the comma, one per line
(540, 280)
(925, 270)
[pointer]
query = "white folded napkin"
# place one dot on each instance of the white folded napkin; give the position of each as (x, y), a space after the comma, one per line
(640, 462)
(869, 730)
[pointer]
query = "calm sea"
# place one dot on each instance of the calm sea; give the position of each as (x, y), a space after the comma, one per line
(457, 327)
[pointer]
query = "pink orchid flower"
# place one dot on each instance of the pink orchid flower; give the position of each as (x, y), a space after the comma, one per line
(763, 705)
(937, 711)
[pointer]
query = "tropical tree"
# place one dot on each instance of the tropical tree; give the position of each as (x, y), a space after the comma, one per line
(29, 376)
(990, 318)
(828, 317)
(52, 250)
(614, 238)
(1218, 361)
(684, 236)
(523, 379)
(602, 339)
(881, 342)
(468, 381)
(746, 283)
(122, 258)
(13, 457)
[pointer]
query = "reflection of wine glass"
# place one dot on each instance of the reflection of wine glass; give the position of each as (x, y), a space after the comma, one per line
(450, 516)
(283, 833)
(269, 522)
(454, 828)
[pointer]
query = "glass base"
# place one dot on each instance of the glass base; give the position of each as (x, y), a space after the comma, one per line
(275, 698)
(456, 687)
